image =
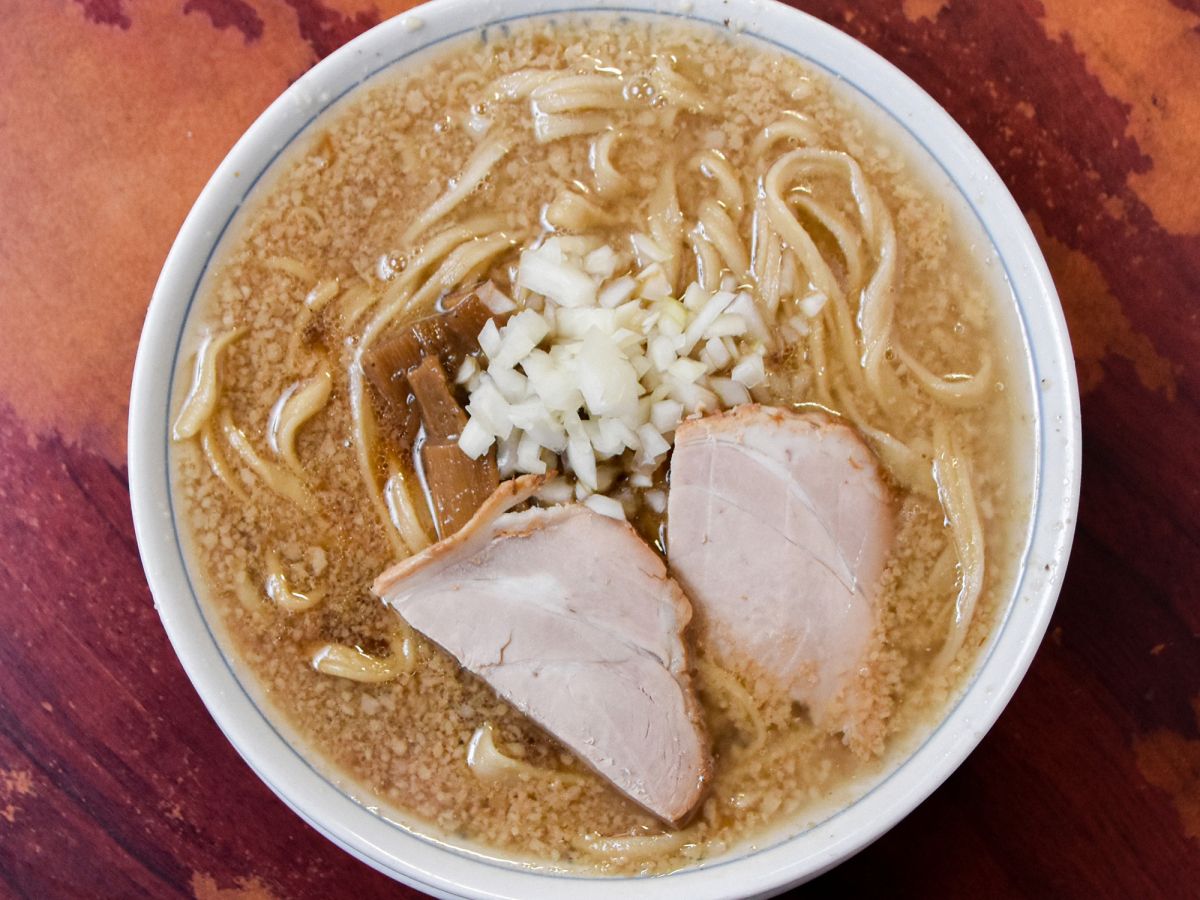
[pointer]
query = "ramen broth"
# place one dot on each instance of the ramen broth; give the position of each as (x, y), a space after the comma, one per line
(287, 531)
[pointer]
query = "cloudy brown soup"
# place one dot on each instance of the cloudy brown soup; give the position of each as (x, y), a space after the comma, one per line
(677, 230)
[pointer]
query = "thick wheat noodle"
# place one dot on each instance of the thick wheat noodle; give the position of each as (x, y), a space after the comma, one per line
(784, 221)
(279, 480)
(216, 461)
(352, 663)
(576, 93)
(520, 84)
(820, 360)
(399, 289)
(723, 233)
(877, 307)
(609, 181)
(363, 419)
(848, 241)
(488, 762)
(321, 293)
(707, 260)
(712, 164)
(766, 253)
(878, 301)
(727, 684)
(550, 102)
(355, 301)
(962, 392)
(571, 211)
(676, 88)
(311, 214)
(403, 514)
(283, 594)
(634, 846)
(770, 280)
(666, 222)
(553, 127)
(290, 266)
(793, 126)
(299, 327)
(907, 467)
(759, 229)
(841, 326)
(205, 390)
(478, 166)
(952, 473)
(299, 403)
(465, 263)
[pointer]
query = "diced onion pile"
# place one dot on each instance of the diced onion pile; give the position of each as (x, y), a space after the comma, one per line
(597, 370)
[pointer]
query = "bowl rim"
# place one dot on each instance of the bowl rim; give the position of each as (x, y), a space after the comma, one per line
(451, 872)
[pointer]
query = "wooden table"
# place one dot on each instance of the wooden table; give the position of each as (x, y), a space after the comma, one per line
(114, 781)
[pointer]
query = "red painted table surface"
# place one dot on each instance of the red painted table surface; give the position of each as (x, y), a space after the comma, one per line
(114, 781)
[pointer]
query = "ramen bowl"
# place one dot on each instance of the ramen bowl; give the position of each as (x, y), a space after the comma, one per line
(776, 861)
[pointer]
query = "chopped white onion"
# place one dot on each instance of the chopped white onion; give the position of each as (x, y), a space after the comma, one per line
(654, 283)
(513, 386)
(718, 356)
(662, 352)
(490, 408)
(813, 304)
(640, 479)
(599, 371)
(687, 370)
(727, 325)
(523, 332)
(649, 250)
(489, 338)
(474, 440)
(607, 381)
(653, 444)
(704, 319)
(744, 306)
(606, 506)
(543, 274)
(750, 371)
(665, 415)
(529, 456)
(600, 263)
(556, 490)
(506, 455)
(732, 393)
(465, 371)
(617, 292)
(580, 454)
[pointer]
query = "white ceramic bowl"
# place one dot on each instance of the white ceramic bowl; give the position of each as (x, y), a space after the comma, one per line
(446, 871)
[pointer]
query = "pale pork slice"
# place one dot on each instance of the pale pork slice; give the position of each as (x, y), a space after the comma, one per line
(779, 529)
(570, 617)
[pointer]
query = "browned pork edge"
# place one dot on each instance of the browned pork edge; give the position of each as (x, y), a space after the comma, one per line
(509, 494)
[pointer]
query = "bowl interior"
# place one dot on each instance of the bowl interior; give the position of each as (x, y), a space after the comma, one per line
(278, 757)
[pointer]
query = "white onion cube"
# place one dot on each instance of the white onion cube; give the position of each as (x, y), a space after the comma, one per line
(474, 440)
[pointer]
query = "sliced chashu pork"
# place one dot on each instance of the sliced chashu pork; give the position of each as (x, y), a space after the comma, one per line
(570, 617)
(779, 528)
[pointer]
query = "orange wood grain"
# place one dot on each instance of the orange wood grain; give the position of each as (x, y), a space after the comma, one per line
(113, 780)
